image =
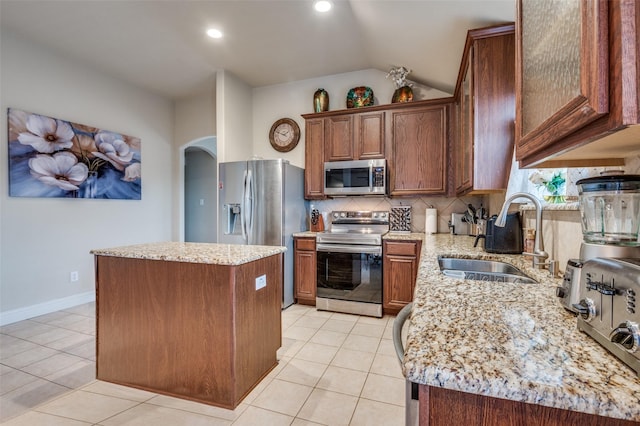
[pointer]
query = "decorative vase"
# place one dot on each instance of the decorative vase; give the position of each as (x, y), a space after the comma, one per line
(321, 100)
(359, 97)
(402, 94)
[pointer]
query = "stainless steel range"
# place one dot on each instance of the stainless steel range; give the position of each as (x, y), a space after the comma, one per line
(349, 259)
(608, 310)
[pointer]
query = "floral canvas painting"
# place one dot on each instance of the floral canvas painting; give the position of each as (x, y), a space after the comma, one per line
(50, 157)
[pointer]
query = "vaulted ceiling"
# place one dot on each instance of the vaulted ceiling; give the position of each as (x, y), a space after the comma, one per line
(161, 45)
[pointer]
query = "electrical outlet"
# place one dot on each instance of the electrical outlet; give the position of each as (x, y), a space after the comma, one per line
(73, 276)
(261, 282)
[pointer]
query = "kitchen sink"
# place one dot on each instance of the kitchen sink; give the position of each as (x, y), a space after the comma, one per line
(483, 270)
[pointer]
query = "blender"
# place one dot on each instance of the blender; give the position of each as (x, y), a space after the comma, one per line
(610, 216)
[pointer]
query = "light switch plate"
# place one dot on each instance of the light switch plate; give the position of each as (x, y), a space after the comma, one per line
(261, 282)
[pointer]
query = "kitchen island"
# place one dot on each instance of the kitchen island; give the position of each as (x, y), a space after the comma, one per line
(191, 320)
(488, 353)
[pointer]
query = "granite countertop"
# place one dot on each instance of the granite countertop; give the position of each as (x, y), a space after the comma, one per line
(510, 341)
(403, 236)
(302, 234)
(218, 254)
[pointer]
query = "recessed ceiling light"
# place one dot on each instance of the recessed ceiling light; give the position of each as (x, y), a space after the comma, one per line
(322, 5)
(213, 33)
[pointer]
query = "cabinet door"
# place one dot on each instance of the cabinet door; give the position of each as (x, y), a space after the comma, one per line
(417, 147)
(314, 152)
(400, 271)
(339, 138)
(464, 142)
(305, 270)
(562, 70)
(369, 132)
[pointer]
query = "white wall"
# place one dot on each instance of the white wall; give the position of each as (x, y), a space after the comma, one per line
(195, 119)
(43, 239)
(233, 118)
(271, 103)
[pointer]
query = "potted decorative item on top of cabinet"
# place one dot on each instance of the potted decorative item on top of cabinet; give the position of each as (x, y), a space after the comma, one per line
(403, 92)
(483, 147)
(577, 87)
(320, 101)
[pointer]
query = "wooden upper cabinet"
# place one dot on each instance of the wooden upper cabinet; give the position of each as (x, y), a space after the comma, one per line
(369, 135)
(483, 146)
(358, 136)
(338, 138)
(576, 81)
(416, 146)
(313, 155)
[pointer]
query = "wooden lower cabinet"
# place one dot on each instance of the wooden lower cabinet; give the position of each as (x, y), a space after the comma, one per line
(304, 270)
(444, 407)
(399, 271)
(195, 331)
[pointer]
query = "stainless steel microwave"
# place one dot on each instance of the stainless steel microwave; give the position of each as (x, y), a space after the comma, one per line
(358, 177)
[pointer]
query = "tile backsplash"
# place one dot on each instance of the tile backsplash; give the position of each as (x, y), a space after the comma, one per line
(444, 205)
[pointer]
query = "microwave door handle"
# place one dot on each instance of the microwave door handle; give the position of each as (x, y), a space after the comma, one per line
(370, 176)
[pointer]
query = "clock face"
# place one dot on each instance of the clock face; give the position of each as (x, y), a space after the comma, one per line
(284, 135)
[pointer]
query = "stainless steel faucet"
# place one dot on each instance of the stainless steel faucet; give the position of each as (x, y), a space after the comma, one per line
(539, 255)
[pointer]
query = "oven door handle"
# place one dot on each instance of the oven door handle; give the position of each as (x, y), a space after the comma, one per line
(349, 248)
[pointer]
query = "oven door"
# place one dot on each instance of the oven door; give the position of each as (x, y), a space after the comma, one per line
(349, 272)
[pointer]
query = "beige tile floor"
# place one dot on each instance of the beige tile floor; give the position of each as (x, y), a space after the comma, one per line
(334, 369)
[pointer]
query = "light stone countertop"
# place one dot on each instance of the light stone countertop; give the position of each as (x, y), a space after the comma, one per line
(218, 254)
(403, 236)
(302, 234)
(510, 341)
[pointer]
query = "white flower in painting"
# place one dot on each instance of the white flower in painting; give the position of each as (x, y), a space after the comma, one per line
(47, 135)
(132, 172)
(112, 148)
(60, 169)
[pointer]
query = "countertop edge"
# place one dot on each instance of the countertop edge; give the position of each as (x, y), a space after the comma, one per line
(206, 253)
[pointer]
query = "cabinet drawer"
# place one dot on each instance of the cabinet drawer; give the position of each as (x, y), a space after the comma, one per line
(403, 249)
(306, 244)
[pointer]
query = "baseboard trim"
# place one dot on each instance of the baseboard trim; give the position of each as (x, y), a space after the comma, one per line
(32, 311)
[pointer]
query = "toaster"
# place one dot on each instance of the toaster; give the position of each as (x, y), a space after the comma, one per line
(458, 225)
(569, 291)
(607, 310)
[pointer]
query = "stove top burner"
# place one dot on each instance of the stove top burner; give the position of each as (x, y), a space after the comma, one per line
(356, 227)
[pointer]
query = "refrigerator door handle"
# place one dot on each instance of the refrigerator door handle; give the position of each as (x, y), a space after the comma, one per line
(243, 208)
(249, 198)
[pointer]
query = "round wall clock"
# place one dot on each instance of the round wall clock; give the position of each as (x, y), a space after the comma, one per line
(284, 135)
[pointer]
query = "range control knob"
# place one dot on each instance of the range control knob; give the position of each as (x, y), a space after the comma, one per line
(586, 308)
(560, 292)
(336, 214)
(627, 335)
(343, 214)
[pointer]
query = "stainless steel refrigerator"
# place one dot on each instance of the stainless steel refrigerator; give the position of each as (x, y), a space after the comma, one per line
(262, 203)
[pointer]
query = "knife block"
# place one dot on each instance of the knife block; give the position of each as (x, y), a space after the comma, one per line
(317, 223)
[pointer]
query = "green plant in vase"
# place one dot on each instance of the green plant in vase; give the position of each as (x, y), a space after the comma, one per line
(553, 182)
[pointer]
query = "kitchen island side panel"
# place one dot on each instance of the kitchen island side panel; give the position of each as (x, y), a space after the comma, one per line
(257, 321)
(171, 327)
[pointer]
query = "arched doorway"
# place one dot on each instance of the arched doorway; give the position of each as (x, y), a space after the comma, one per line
(201, 191)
